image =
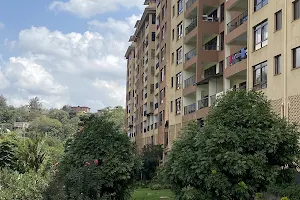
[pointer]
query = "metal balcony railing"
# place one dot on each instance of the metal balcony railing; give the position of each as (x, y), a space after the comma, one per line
(190, 109)
(191, 27)
(239, 20)
(189, 3)
(190, 81)
(189, 55)
(237, 57)
(203, 103)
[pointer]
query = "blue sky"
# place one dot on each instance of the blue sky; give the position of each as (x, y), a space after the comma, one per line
(65, 51)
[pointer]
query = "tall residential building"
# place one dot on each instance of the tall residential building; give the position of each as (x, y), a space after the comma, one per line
(206, 47)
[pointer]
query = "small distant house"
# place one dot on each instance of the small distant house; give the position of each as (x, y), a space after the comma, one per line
(21, 125)
(81, 109)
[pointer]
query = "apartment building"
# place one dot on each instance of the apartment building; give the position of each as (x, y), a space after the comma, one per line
(204, 48)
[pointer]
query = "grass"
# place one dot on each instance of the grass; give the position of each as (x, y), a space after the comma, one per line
(148, 194)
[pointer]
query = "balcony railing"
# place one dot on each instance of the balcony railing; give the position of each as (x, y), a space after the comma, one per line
(203, 103)
(237, 57)
(189, 55)
(207, 18)
(239, 20)
(212, 47)
(191, 27)
(190, 109)
(210, 72)
(189, 3)
(190, 81)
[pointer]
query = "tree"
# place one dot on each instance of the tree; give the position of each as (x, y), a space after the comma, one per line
(3, 102)
(116, 114)
(35, 104)
(150, 158)
(242, 149)
(60, 115)
(46, 125)
(99, 163)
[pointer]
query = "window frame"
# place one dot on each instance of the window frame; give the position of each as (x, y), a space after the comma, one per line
(178, 80)
(296, 14)
(179, 55)
(262, 30)
(261, 67)
(180, 7)
(277, 64)
(261, 3)
(178, 106)
(295, 57)
(278, 26)
(179, 30)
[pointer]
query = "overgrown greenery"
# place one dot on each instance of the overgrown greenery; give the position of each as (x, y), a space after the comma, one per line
(242, 149)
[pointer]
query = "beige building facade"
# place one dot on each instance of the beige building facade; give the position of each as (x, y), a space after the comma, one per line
(205, 48)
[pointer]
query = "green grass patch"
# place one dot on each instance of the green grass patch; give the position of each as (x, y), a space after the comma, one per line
(148, 194)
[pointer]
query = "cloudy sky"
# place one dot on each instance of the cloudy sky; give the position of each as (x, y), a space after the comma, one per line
(65, 51)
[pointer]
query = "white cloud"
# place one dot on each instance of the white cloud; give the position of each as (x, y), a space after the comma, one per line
(1, 25)
(89, 8)
(78, 69)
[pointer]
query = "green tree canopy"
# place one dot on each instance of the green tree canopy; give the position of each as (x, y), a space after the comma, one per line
(99, 163)
(241, 150)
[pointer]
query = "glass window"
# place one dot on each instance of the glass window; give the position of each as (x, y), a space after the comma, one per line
(278, 20)
(278, 64)
(261, 35)
(178, 80)
(260, 76)
(178, 106)
(258, 4)
(179, 30)
(296, 5)
(179, 55)
(180, 6)
(296, 57)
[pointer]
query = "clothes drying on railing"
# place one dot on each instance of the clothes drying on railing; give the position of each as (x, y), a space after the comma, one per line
(237, 57)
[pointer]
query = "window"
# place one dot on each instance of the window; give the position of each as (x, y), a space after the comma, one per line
(178, 106)
(180, 6)
(173, 11)
(162, 74)
(173, 34)
(222, 41)
(179, 30)
(153, 36)
(163, 33)
(172, 82)
(171, 106)
(222, 12)
(163, 11)
(258, 4)
(261, 35)
(153, 18)
(296, 57)
(260, 76)
(161, 118)
(162, 96)
(296, 5)
(278, 64)
(178, 80)
(172, 57)
(179, 56)
(278, 20)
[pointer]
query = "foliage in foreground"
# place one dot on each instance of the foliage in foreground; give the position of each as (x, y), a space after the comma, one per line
(99, 163)
(148, 194)
(241, 150)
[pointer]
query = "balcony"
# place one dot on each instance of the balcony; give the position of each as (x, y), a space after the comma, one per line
(190, 81)
(236, 63)
(238, 21)
(236, 5)
(203, 103)
(210, 53)
(190, 109)
(191, 27)
(212, 47)
(192, 53)
(237, 30)
(189, 4)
